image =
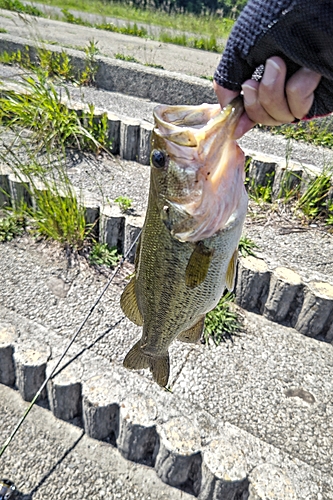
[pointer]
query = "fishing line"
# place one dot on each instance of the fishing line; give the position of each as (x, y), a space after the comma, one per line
(25, 414)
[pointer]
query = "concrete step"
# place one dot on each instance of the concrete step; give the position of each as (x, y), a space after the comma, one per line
(188, 446)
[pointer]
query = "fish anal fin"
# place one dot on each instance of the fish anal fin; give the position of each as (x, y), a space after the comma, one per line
(193, 334)
(198, 265)
(160, 368)
(231, 272)
(129, 304)
(135, 359)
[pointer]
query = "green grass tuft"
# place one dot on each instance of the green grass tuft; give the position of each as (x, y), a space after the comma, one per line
(246, 246)
(103, 255)
(12, 224)
(124, 203)
(17, 6)
(221, 322)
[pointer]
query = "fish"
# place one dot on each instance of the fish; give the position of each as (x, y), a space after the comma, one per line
(187, 252)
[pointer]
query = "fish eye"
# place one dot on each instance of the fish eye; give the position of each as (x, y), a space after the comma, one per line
(158, 158)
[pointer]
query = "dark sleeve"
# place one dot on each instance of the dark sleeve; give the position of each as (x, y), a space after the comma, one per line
(299, 31)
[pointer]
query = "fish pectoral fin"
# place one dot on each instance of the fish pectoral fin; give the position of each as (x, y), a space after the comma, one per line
(160, 368)
(231, 272)
(129, 304)
(198, 265)
(193, 334)
(136, 359)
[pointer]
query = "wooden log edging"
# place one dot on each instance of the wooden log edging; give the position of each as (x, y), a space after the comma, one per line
(148, 425)
(279, 294)
(283, 297)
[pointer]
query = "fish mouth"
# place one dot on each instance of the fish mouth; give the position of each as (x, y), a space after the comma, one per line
(200, 140)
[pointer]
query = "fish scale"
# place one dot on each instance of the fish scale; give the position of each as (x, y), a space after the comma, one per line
(177, 281)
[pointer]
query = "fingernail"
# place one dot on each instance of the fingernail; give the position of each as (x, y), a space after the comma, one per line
(271, 72)
(250, 95)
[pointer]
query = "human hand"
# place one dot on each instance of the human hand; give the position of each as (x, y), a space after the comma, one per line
(274, 100)
(294, 41)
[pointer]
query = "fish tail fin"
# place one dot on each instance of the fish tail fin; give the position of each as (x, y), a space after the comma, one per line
(160, 368)
(136, 359)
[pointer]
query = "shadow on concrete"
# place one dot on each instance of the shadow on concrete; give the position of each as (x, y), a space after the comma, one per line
(30, 496)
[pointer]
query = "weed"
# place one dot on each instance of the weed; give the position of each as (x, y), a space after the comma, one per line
(196, 43)
(124, 203)
(221, 321)
(57, 212)
(156, 66)
(123, 57)
(88, 75)
(17, 6)
(289, 186)
(317, 131)
(59, 216)
(3, 30)
(69, 18)
(209, 77)
(20, 58)
(260, 194)
(101, 254)
(13, 224)
(98, 129)
(329, 218)
(41, 111)
(246, 246)
(313, 202)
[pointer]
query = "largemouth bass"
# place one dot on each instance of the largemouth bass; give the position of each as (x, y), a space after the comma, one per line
(187, 251)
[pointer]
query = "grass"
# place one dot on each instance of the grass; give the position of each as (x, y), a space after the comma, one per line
(123, 57)
(12, 224)
(124, 203)
(246, 246)
(17, 6)
(103, 255)
(260, 193)
(43, 129)
(56, 65)
(314, 201)
(51, 123)
(317, 132)
(222, 322)
(208, 28)
(201, 25)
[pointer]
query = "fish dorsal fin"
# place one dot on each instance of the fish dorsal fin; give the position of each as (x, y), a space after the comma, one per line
(193, 334)
(198, 265)
(231, 272)
(136, 359)
(129, 304)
